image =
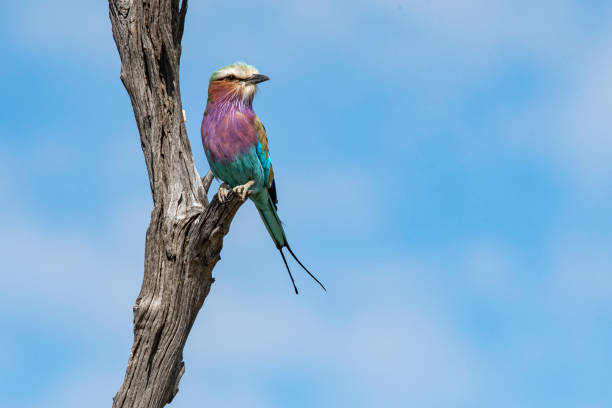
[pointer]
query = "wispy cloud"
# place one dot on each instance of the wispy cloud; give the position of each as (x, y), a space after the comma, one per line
(442, 166)
(63, 29)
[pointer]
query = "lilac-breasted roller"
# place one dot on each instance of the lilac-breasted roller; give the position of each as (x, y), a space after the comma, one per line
(236, 147)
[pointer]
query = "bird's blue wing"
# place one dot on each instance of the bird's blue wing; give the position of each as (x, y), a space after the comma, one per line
(263, 152)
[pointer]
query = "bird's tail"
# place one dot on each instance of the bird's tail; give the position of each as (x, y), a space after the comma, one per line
(269, 216)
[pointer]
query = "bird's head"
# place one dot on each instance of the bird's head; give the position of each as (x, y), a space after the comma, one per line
(235, 83)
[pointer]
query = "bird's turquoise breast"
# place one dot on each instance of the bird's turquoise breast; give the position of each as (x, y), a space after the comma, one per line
(243, 168)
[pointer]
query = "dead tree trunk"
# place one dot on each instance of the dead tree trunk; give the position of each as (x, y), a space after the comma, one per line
(186, 232)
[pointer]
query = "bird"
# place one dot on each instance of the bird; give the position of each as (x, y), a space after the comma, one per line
(236, 146)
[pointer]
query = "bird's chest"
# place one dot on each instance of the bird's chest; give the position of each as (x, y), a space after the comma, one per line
(227, 137)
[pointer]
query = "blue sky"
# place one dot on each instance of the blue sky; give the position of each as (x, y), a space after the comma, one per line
(443, 166)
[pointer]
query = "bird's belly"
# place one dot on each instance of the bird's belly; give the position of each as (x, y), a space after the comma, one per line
(240, 170)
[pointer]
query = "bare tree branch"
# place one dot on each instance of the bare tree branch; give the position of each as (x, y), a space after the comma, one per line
(185, 235)
(207, 180)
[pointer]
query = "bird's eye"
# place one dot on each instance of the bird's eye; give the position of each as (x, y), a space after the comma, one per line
(230, 77)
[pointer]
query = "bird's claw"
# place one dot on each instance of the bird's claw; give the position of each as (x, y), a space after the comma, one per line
(243, 190)
(223, 192)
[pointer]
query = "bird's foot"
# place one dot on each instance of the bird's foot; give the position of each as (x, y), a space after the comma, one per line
(243, 190)
(223, 192)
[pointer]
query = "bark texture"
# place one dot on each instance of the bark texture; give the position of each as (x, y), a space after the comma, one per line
(186, 232)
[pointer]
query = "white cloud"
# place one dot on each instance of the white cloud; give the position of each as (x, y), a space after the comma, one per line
(568, 125)
(55, 270)
(585, 142)
(581, 279)
(489, 267)
(569, 128)
(394, 344)
(391, 343)
(384, 331)
(64, 28)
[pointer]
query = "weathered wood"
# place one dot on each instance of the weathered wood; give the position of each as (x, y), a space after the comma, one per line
(186, 232)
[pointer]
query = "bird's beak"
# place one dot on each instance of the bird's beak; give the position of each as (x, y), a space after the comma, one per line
(257, 78)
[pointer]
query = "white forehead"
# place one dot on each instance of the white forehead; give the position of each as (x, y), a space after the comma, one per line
(239, 70)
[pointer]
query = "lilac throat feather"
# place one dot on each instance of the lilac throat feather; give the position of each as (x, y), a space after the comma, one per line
(227, 128)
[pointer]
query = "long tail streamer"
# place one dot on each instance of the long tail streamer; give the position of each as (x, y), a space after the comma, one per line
(301, 264)
(288, 270)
